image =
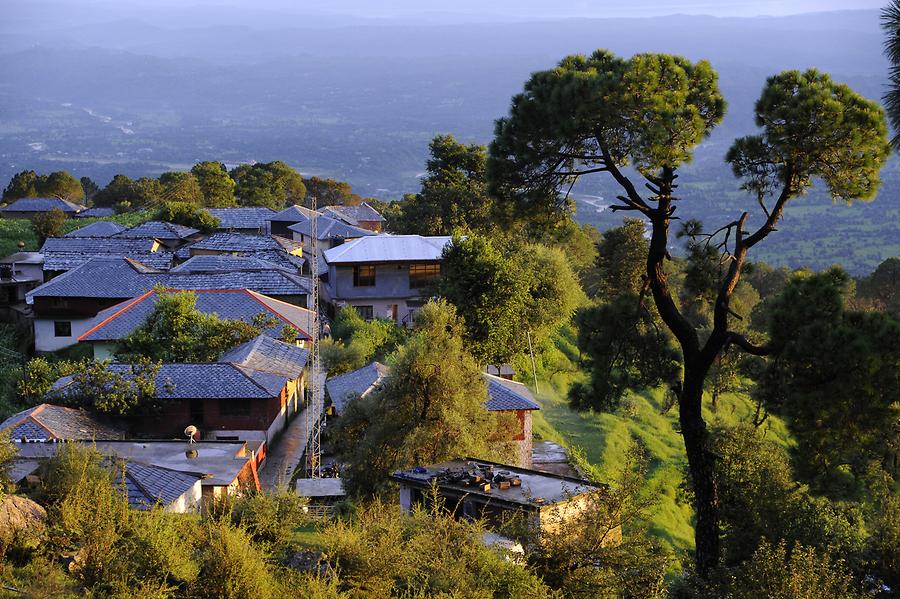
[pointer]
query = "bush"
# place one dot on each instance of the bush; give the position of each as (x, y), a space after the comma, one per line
(188, 215)
(269, 519)
(230, 567)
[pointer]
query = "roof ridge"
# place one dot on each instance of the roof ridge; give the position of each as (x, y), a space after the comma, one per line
(242, 369)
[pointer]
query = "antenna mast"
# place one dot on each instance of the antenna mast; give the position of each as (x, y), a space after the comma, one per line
(315, 407)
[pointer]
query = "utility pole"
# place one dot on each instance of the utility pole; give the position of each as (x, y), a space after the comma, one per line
(314, 408)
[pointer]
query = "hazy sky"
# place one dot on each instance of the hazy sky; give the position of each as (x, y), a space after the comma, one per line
(536, 8)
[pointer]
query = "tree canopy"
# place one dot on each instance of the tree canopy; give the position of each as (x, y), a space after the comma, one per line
(176, 331)
(268, 184)
(428, 409)
(216, 185)
(58, 184)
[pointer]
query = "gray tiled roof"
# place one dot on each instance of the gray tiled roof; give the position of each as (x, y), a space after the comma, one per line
(117, 322)
(349, 386)
(292, 214)
(96, 212)
(69, 261)
(388, 248)
(42, 205)
(242, 218)
(66, 253)
(354, 214)
(48, 421)
(197, 381)
(148, 485)
(226, 263)
(504, 395)
(236, 242)
(330, 228)
(101, 228)
(120, 278)
(265, 354)
(154, 229)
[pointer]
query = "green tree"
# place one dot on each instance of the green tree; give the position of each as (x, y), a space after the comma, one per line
(49, 224)
(598, 114)
(181, 187)
(357, 342)
(22, 185)
(890, 23)
(272, 185)
(454, 192)
(188, 215)
(61, 184)
(554, 291)
(215, 183)
(176, 331)
(490, 292)
(90, 188)
(38, 378)
(835, 377)
(882, 287)
(429, 409)
(621, 261)
(329, 192)
(95, 386)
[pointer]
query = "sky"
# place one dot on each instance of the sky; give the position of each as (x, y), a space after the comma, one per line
(525, 9)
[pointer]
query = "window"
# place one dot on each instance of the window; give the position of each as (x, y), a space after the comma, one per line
(234, 407)
(421, 275)
(62, 328)
(366, 312)
(364, 276)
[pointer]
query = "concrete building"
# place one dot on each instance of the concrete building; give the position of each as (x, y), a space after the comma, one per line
(382, 275)
(480, 489)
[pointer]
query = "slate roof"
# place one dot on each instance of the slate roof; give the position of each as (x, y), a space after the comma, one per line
(43, 205)
(117, 322)
(48, 421)
(198, 381)
(225, 263)
(388, 248)
(155, 229)
(122, 278)
(236, 242)
(147, 485)
(242, 218)
(354, 214)
(66, 253)
(504, 395)
(101, 228)
(265, 354)
(96, 212)
(350, 386)
(293, 214)
(330, 228)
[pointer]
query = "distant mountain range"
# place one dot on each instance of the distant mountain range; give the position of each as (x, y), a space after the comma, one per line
(358, 99)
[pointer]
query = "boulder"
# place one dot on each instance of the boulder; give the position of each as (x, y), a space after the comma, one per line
(21, 518)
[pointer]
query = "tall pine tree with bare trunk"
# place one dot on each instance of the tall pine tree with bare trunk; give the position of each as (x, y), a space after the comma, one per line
(639, 120)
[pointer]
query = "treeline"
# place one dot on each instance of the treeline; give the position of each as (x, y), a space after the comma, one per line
(208, 184)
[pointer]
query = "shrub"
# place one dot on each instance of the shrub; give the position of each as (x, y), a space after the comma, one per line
(230, 567)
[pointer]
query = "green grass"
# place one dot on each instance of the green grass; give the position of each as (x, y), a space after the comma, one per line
(15, 230)
(309, 536)
(604, 439)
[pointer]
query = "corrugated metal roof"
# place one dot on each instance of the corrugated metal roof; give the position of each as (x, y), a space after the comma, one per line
(330, 228)
(388, 248)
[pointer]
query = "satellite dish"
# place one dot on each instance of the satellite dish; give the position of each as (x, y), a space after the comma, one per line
(190, 431)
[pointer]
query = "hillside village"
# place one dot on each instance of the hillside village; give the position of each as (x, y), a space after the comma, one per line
(247, 383)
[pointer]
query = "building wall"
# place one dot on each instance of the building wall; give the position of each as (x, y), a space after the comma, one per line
(45, 339)
(391, 288)
(190, 501)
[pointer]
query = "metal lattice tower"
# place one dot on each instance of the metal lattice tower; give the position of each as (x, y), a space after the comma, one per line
(315, 407)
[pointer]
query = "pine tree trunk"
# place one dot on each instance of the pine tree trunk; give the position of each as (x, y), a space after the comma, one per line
(700, 465)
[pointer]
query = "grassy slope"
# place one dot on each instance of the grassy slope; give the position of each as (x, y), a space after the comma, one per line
(14, 230)
(603, 438)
